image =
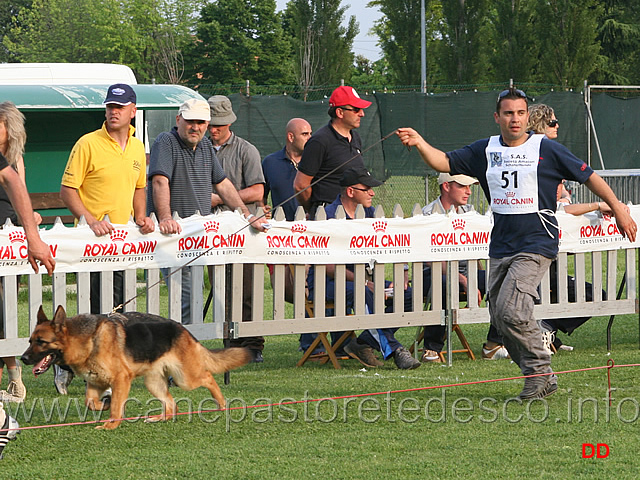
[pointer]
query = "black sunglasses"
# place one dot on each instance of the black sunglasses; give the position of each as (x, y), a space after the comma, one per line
(553, 123)
(353, 109)
(363, 189)
(512, 91)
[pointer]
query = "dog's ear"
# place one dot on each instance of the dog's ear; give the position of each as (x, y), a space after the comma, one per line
(59, 319)
(42, 317)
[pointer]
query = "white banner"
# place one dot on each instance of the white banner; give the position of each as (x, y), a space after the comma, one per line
(226, 238)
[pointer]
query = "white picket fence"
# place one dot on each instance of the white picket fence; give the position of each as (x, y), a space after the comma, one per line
(606, 272)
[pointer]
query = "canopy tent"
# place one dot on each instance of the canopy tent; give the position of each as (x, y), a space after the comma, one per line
(36, 98)
(58, 115)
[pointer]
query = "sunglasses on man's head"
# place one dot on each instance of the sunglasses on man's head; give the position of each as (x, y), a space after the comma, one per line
(352, 109)
(513, 92)
(553, 123)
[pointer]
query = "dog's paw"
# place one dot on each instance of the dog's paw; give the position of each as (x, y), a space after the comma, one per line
(155, 418)
(108, 425)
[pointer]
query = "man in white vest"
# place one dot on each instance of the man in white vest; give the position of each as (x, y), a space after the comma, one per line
(519, 173)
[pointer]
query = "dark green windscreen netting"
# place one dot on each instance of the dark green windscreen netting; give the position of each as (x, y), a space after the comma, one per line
(447, 120)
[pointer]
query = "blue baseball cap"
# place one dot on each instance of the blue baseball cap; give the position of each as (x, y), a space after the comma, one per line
(121, 94)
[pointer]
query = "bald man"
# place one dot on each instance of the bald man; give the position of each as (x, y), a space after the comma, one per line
(280, 168)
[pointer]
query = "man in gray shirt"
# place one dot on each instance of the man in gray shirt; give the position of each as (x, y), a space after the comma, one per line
(242, 163)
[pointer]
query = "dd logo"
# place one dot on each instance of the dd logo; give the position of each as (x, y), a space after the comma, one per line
(600, 450)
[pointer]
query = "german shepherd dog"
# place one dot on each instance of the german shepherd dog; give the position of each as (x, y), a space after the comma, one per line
(109, 351)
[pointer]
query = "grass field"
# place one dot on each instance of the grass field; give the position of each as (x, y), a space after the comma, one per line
(469, 431)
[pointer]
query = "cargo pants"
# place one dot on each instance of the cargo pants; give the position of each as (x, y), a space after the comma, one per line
(512, 289)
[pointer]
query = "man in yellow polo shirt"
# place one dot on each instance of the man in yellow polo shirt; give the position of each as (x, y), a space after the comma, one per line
(106, 175)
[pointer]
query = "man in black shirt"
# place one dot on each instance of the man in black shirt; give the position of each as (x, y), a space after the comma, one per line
(331, 150)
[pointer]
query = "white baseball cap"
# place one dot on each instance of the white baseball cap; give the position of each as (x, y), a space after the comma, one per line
(195, 109)
(461, 179)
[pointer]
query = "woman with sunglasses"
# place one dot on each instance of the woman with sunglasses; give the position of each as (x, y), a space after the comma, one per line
(542, 119)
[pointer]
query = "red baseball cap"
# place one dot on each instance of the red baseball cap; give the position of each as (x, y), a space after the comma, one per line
(347, 96)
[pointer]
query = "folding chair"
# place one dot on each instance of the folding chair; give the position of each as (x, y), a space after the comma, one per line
(329, 353)
(466, 348)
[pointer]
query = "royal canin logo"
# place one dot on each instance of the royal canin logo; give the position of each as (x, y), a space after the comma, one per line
(510, 194)
(211, 226)
(380, 239)
(458, 224)
(379, 226)
(298, 228)
(17, 237)
(118, 235)
(605, 229)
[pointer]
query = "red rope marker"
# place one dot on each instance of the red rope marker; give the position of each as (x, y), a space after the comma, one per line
(610, 364)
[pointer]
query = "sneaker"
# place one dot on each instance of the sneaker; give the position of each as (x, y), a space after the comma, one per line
(8, 431)
(496, 353)
(547, 341)
(539, 387)
(5, 396)
(62, 378)
(558, 345)
(16, 388)
(404, 360)
(430, 356)
(363, 353)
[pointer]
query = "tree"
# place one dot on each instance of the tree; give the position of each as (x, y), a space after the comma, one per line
(373, 75)
(323, 44)
(96, 34)
(465, 35)
(399, 35)
(146, 35)
(240, 40)
(516, 49)
(568, 45)
(9, 17)
(619, 37)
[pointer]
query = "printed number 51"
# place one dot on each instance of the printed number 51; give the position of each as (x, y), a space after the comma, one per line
(505, 179)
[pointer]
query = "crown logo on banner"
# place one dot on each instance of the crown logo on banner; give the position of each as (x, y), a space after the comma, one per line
(118, 235)
(211, 226)
(510, 194)
(17, 237)
(298, 228)
(379, 226)
(458, 224)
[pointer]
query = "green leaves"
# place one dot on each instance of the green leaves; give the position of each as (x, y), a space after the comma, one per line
(239, 40)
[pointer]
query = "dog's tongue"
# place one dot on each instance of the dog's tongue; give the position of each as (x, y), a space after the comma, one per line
(42, 366)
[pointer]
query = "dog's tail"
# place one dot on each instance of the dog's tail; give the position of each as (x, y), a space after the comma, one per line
(225, 359)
